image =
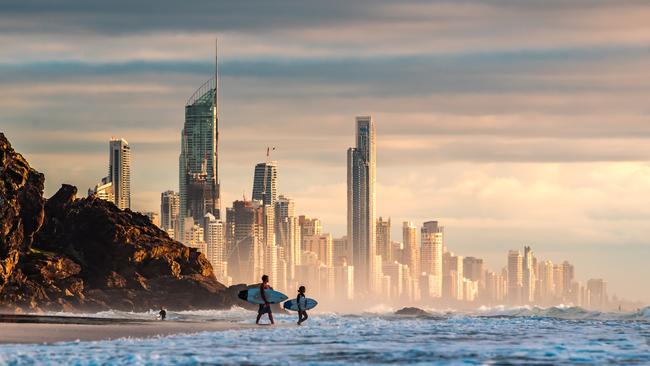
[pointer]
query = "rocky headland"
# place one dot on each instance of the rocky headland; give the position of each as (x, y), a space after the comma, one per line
(85, 254)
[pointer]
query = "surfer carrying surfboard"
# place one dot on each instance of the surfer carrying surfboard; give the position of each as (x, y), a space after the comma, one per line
(301, 301)
(266, 307)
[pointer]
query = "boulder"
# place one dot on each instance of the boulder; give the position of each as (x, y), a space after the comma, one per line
(412, 311)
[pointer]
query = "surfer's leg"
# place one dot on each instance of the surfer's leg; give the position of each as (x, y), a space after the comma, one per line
(271, 317)
(259, 315)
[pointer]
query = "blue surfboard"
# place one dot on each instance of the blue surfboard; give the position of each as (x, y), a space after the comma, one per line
(307, 305)
(254, 296)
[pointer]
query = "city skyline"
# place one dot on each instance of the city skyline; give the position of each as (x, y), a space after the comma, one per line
(545, 156)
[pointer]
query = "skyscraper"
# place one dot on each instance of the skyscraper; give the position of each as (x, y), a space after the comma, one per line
(529, 278)
(198, 161)
(287, 233)
(411, 249)
(214, 238)
(308, 227)
(119, 172)
(597, 293)
(361, 161)
(170, 205)
(383, 240)
(431, 236)
(246, 254)
(265, 183)
(515, 276)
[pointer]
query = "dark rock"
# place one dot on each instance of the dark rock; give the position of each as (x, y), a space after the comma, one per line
(410, 311)
(21, 208)
(86, 254)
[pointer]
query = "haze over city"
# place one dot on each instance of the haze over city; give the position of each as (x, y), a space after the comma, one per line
(509, 133)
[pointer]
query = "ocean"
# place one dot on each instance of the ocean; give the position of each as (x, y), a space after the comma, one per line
(487, 336)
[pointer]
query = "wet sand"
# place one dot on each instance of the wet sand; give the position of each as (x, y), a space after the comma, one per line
(51, 329)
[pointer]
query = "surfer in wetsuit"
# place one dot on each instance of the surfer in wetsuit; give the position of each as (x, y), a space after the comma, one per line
(162, 313)
(301, 302)
(266, 307)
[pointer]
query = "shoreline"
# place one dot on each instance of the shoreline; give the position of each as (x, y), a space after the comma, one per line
(38, 329)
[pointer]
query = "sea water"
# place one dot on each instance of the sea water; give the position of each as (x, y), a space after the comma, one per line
(501, 336)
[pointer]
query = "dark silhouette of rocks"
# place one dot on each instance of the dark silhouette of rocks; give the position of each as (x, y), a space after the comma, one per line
(87, 255)
(411, 311)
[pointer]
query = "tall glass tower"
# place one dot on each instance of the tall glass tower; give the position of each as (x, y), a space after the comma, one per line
(361, 206)
(198, 161)
(265, 183)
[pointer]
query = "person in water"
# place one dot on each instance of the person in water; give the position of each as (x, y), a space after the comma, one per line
(162, 313)
(301, 301)
(266, 307)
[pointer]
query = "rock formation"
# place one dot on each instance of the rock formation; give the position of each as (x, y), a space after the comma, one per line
(87, 255)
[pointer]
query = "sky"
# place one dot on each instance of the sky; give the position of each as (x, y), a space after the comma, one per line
(512, 122)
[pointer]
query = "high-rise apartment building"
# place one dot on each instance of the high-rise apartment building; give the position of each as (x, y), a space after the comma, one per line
(452, 276)
(340, 251)
(568, 276)
(361, 161)
(170, 205)
(515, 276)
(265, 183)
(529, 278)
(473, 269)
(154, 217)
(213, 235)
(411, 250)
(119, 172)
(246, 255)
(322, 246)
(287, 234)
(546, 283)
(103, 190)
(309, 227)
(597, 293)
(384, 248)
(558, 280)
(198, 161)
(432, 238)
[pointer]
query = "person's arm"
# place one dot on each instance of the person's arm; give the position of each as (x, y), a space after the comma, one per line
(300, 302)
(266, 301)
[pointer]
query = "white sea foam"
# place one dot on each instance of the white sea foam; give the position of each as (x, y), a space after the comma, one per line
(523, 335)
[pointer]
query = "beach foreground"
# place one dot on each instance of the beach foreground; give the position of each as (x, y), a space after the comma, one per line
(52, 329)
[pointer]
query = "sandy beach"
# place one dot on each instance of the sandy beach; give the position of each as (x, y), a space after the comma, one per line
(50, 329)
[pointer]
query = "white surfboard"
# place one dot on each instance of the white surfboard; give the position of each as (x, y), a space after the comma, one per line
(254, 296)
(308, 304)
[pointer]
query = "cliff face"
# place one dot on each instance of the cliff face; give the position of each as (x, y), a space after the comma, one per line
(86, 254)
(21, 208)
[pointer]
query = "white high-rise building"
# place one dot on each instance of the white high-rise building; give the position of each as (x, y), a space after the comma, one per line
(384, 248)
(515, 276)
(322, 246)
(362, 161)
(287, 234)
(411, 249)
(344, 282)
(546, 289)
(103, 190)
(119, 172)
(529, 278)
(213, 235)
(431, 253)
